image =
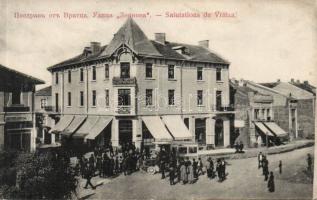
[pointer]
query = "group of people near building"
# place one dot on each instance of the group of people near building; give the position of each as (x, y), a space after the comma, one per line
(188, 171)
(268, 176)
(106, 162)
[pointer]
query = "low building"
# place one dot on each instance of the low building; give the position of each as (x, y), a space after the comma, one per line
(144, 91)
(17, 105)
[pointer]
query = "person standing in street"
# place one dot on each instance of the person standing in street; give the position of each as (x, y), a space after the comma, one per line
(162, 168)
(309, 162)
(191, 176)
(195, 165)
(270, 183)
(200, 167)
(184, 175)
(172, 174)
(260, 159)
(88, 176)
(280, 167)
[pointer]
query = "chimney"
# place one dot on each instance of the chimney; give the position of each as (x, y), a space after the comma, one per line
(297, 81)
(305, 82)
(278, 80)
(95, 47)
(204, 43)
(292, 80)
(160, 37)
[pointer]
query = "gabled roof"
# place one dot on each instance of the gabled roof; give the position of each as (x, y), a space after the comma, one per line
(131, 35)
(13, 75)
(47, 91)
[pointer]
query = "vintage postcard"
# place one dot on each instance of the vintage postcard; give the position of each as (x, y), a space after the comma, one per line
(158, 100)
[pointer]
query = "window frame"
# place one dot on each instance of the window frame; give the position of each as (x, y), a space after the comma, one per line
(171, 68)
(149, 97)
(81, 98)
(107, 71)
(56, 78)
(94, 73)
(126, 101)
(69, 99)
(148, 66)
(127, 68)
(171, 99)
(200, 97)
(69, 76)
(218, 74)
(94, 98)
(107, 98)
(199, 72)
(81, 75)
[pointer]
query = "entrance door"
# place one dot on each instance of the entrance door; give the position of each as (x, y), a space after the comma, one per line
(200, 131)
(125, 131)
(219, 133)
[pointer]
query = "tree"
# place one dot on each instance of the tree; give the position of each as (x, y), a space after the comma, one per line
(43, 176)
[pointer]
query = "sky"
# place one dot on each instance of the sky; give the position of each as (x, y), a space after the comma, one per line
(264, 40)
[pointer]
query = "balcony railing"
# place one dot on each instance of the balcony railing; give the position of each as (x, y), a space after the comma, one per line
(123, 110)
(224, 108)
(16, 108)
(123, 81)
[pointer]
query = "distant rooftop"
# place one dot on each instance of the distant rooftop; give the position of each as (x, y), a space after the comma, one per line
(47, 91)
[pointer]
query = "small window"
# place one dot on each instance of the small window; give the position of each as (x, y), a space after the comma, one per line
(256, 114)
(106, 71)
(171, 98)
(69, 76)
(199, 97)
(199, 73)
(43, 103)
(148, 70)
(170, 71)
(94, 97)
(81, 98)
(56, 78)
(94, 73)
(149, 97)
(69, 102)
(218, 74)
(107, 98)
(81, 74)
(125, 70)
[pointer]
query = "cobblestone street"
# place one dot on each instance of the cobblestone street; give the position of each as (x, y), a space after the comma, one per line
(244, 181)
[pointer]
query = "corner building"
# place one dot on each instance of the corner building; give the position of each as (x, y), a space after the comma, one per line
(150, 92)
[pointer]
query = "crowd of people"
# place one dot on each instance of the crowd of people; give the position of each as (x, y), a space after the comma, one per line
(107, 162)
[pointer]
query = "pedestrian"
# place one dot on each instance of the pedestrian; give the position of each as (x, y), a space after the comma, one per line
(117, 167)
(110, 148)
(266, 172)
(223, 169)
(172, 174)
(270, 183)
(241, 146)
(260, 159)
(92, 160)
(195, 165)
(190, 171)
(219, 170)
(210, 170)
(99, 164)
(200, 167)
(162, 169)
(183, 173)
(178, 170)
(264, 163)
(280, 167)
(120, 163)
(88, 176)
(309, 162)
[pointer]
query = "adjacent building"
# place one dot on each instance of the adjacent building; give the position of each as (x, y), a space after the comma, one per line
(276, 112)
(144, 91)
(17, 117)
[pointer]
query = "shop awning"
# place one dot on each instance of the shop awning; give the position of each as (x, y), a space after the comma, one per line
(62, 124)
(238, 123)
(98, 127)
(86, 127)
(157, 128)
(276, 129)
(177, 127)
(74, 125)
(261, 126)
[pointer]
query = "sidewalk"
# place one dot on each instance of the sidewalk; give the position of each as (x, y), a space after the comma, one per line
(253, 152)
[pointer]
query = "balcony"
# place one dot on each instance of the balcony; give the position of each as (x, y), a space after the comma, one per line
(48, 108)
(124, 110)
(16, 108)
(123, 81)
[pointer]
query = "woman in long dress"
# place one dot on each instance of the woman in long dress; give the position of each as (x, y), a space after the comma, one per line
(190, 173)
(183, 170)
(270, 184)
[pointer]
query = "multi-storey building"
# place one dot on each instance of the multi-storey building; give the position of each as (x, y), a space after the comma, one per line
(17, 117)
(143, 91)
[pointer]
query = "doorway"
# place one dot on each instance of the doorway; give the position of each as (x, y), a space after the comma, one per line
(125, 131)
(219, 133)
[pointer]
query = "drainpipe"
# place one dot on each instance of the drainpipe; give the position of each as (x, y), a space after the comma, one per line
(87, 95)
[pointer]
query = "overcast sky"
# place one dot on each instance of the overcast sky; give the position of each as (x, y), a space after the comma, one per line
(266, 40)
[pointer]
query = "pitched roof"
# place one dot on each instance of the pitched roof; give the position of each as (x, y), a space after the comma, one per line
(47, 91)
(305, 86)
(131, 35)
(296, 92)
(13, 74)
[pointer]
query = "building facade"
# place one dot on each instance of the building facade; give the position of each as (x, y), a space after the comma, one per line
(143, 91)
(17, 117)
(274, 112)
